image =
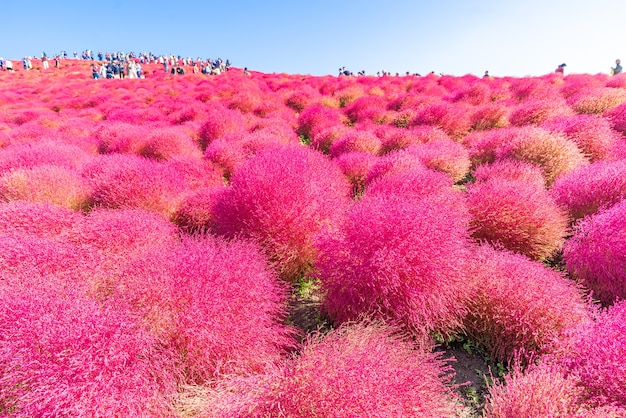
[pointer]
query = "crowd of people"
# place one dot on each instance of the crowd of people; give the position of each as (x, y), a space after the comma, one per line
(122, 65)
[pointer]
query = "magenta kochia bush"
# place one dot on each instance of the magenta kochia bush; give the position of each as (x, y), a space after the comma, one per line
(595, 354)
(510, 170)
(216, 304)
(38, 219)
(401, 260)
(195, 213)
(355, 165)
(596, 253)
(554, 153)
(591, 133)
(219, 121)
(520, 216)
(63, 354)
(540, 391)
(588, 188)
(358, 370)
(282, 198)
(123, 181)
(46, 184)
(446, 155)
(522, 307)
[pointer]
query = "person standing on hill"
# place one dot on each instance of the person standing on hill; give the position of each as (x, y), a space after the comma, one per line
(560, 69)
(618, 67)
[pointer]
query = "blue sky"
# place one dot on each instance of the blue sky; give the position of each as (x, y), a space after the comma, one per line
(508, 38)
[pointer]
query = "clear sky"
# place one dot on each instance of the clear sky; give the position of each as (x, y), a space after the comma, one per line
(456, 37)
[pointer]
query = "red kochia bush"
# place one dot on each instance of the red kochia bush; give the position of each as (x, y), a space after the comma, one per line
(534, 112)
(215, 304)
(398, 259)
(597, 100)
(39, 153)
(63, 354)
(46, 184)
(521, 307)
(316, 117)
(195, 213)
(219, 121)
(510, 170)
(447, 156)
(522, 217)
(354, 371)
(412, 184)
(281, 198)
(540, 391)
(554, 153)
(595, 355)
(596, 253)
(591, 133)
(165, 143)
(355, 140)
(122, 181)
(588, 188)
(38, 219)
(355, 165)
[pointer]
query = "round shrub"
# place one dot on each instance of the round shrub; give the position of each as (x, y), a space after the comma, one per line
(400, 260)
(195, 213)
(282, 198)
(167, 142)
(510, 170)
(596, 100)
(596, 255)
(215, 304)
(129, 181)
(594, 355)
(363, 141)
(522, 217)
(522, 307)
(63, 354)
(356, 370)
(219, 121)
(39, 219)
(554, 153)
(355, 165)
(447, 156)
(534, 112)
(586, 189)
(591, 133)
(540, 391)
(46, 184)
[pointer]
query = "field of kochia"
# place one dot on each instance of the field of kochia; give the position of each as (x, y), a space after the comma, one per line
(154, 232)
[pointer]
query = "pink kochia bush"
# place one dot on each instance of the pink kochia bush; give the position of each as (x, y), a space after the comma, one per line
(46, 184)
(510, 170)
(588, 188)
(520, 216)
(447, 156)
(596, 253)
(540, 391)
(595, 355)
(64, 354)
(554, 153)
(282, 198)
(400, 260)
(357, 370)
(130, 181)
(38, 219)
(216, 304)
(521, 307)
(196, 210)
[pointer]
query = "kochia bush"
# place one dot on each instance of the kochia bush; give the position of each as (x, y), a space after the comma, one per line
(63, 354)
(586, 189)
(596, 253)
(520, 216)
(522, 307)
(400, 260)
(356, 370)
(282, 198)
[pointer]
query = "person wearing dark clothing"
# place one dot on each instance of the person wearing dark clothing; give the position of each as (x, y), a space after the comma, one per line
(618, 67)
